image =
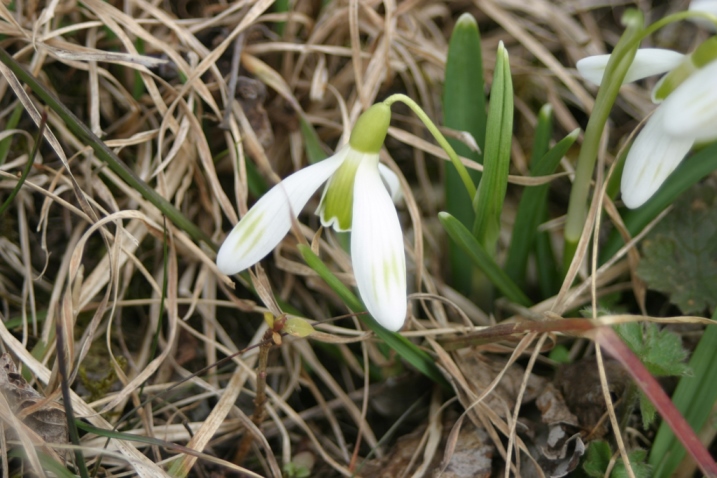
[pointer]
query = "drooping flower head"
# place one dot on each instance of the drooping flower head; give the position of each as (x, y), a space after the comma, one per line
(687, 113)
(354, 199)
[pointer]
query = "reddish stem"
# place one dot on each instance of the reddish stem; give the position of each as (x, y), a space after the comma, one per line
(611, 343)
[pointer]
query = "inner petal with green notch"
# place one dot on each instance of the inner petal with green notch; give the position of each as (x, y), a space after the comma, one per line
(336, 205)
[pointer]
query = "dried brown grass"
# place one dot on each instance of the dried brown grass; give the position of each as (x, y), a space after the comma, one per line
(80, 247)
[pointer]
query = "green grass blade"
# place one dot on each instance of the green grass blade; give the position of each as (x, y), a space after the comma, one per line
(488, 202)
(28, 166)
(11, 123)
(48, 463)
(546, 265)
(519, 247)
(532, 209)
(103, 432)
(465, 240)
(548, 268)
(138, 87)
(312, 144)
(690, 172)
(105, 154)
(464, 110)
(419, 359)
(255, 181)
(694, 397)
(281, 6)
(543, 134)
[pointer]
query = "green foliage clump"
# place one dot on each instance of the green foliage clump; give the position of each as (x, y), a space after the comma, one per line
(598, 457)
(680, 254)
(660, 350)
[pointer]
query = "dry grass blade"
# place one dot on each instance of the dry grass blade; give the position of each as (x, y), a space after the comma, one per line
(208, 104)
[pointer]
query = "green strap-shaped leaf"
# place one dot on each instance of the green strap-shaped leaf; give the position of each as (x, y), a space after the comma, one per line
(531, 210)
(547, 266)
(517, 259)
(488, 202)
(26, 169)
(419, 359)
(281, 6)
(11, 123)
(463, 110)
(465, 240)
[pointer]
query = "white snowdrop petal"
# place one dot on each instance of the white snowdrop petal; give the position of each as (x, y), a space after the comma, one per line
(647, 62)
(392, 183)
(592, 68)
(706, 6)
(691, 110)
(268, 221)
(652, 158)
(377, 249)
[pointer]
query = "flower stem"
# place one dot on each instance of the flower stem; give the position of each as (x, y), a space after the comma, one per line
(462, 171)
(675, 17)
(620, 61)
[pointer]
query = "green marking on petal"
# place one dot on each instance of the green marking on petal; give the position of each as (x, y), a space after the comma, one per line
(704, 54)
(371, 128)
(391, 271)
(336, 208)
(673, 79)
(251, 232)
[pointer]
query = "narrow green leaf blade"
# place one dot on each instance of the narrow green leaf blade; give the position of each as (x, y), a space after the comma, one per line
(694, 397)
(532, 208)
(465, 240)
(281, 6)
(11, 123)
(519, 248)
(488, 202)
(464, 110)
(314, 151)
(543, 134)
(28, 165)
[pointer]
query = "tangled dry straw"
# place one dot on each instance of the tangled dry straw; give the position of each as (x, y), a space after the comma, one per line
(81, 248)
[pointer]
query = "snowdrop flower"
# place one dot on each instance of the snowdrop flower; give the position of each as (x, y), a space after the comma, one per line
(356, 199)
(687, 113)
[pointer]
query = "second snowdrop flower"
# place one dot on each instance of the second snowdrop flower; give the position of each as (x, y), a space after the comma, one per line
(687, 113)
(356, 199)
